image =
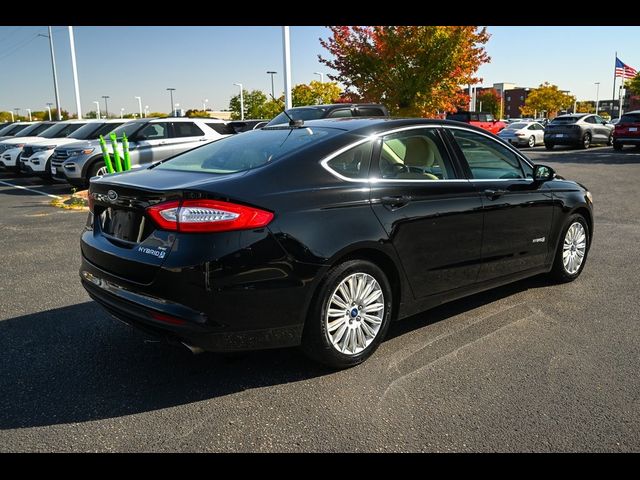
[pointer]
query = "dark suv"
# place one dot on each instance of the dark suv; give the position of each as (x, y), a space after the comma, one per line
(335, 110)
(627, 130)
(578, 129)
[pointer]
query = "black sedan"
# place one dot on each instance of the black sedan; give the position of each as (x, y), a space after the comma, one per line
(320, 235)
(579, 130)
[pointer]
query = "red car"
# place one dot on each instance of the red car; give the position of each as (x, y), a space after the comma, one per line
(478, 119)
(627, 131)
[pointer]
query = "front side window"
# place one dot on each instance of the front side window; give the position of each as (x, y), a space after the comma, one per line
(340, 113)
(487, 158)
(354, 163)
(153, 131)
(414, 155)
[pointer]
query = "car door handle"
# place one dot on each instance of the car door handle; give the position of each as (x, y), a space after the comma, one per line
(493, 194)
(396, 201)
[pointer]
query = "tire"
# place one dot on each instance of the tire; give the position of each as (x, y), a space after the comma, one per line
(561, 272)
(548, 146)
(617, 146)
(46, 176)
(586, 141)
(610, 139)
(532, 141)
(94, 170)
(318, 337)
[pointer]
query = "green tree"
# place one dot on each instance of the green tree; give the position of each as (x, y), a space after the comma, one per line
(157, 115)
(195, 113)
(272, 108)
(546, 97)
(491, 100)
(253, 103)
(634, 84)
(585, 107)
(315, 93)
(414, 70)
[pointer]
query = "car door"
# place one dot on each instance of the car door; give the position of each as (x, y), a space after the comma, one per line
(539, 133)
(593, 128)
(432, 215)
(185, 136)
(151, 144)
(603, 128)
(517, 210)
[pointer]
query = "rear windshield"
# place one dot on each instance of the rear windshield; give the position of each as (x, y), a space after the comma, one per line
(564, 120)
(630, 118)
(61, 130)
(299, 114)
(247, 151)
(517, 126)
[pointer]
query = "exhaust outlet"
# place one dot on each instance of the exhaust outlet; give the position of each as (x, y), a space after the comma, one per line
(195, 350)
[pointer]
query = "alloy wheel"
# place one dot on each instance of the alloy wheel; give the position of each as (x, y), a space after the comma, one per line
(354, 313)
(574, 248)
(532, 141)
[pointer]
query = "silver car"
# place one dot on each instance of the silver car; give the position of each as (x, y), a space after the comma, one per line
(150, 140)
(523, 133)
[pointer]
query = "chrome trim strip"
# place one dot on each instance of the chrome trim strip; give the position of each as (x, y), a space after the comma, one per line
(376, 136)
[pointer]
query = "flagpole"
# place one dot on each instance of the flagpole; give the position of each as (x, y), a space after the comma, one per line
(613, 98)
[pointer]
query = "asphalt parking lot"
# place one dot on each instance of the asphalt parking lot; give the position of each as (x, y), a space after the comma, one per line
(526, 367)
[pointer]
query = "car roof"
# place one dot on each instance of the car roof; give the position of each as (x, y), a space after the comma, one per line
(574, 115)
(370, 125)
(338, 105)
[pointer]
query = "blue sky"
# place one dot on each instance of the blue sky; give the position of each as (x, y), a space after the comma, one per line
(205, 62)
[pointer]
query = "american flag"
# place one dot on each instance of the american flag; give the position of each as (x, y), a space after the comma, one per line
(623, 70)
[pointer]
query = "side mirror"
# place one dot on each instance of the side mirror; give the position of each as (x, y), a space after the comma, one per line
(604, 122)
(542, 173)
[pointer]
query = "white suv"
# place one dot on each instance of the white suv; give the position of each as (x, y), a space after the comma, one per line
(150, 140)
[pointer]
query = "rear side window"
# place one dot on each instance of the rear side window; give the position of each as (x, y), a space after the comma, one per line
(354, 163)
(487, 158)
(370, 112)
(186, 129)
(222, 128)
(590, 120)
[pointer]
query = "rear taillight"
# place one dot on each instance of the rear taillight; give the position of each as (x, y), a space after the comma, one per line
(207, 216)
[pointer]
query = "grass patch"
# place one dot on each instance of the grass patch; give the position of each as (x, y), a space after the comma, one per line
(76, 201)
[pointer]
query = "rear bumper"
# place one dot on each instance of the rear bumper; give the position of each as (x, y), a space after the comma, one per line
(627, 140)
(217, 329)
(565, 139)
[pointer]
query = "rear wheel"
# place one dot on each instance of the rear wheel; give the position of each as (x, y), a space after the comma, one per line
(532, 141)
(571, 253)
(586, 141)
(617, 146)
(350, 315)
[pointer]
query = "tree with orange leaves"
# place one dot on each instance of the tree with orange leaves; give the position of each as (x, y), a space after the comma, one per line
(413, 70)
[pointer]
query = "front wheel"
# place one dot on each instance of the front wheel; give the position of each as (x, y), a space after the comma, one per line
(97, 169)
(571, 254)
(610, 139)
(350, 315)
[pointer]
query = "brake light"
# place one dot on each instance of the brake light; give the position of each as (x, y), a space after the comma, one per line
(161, 317)
(207, 216)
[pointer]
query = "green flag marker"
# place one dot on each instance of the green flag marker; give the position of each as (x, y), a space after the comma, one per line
(116, 153)
(125, 149)
(105, 155)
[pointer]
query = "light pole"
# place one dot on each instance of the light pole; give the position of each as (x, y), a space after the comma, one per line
(121, 113)
(146, 111)
(139, 105)
(620, 100)
(72, 45)
(12, 117)
(597, 84)
(204, 104)
(106, 106)
(29, 112)
(17, 110)
(177, 109)
(49, 110)
(272, 73)
(97, 108)
(171, 90)
(286, 53)
(55, 75)
(241, 101)
(321, 76)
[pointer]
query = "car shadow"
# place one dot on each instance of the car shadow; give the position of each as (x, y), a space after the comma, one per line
(77, 364)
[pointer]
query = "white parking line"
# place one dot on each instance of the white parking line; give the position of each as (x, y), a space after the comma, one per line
(29, 189)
